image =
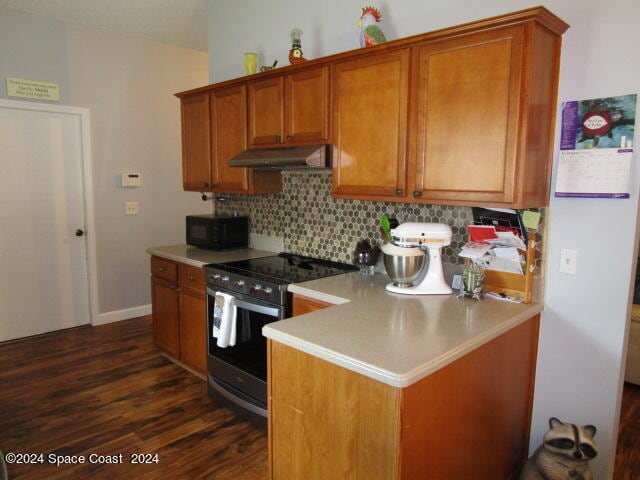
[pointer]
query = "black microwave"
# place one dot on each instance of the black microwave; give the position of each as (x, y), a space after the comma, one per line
(217, 232)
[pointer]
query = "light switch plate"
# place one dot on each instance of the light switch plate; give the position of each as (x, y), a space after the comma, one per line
(568, 261)
(131, 208)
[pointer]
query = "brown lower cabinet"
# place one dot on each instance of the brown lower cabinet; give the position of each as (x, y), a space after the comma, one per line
(470, 419)
(178, 309)
(302, 305)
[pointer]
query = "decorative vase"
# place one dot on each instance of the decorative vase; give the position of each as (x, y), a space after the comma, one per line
(250, 63)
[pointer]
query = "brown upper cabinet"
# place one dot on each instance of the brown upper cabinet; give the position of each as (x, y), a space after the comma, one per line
(289, 110)
(459, 116)
(370, 100)
(214, 129)
(228, 138)
(196, 147)
(482, 118)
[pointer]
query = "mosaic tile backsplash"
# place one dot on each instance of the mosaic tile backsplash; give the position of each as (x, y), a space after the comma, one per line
(313, 223)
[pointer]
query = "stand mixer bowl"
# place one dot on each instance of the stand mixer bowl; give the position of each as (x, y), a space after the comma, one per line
(403, 265)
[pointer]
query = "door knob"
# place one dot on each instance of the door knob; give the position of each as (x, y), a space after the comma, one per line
(79, 233)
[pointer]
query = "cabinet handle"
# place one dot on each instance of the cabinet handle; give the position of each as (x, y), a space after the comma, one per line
(191, 278)
(278, 139)
(178, 289)
(289, 138)
(399, 191)
(417, 193)
(161, 269)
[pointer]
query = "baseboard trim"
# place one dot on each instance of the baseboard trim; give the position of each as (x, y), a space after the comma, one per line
(125, 314)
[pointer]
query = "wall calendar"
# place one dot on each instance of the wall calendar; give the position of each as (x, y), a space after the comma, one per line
(596, 147)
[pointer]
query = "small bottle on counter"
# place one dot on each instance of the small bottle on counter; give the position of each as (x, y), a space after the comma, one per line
(472, 280)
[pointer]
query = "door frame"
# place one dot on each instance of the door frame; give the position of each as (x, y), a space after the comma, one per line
(87, 194)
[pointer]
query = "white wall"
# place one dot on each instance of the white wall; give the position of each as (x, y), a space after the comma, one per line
(583, 334)
(128, 85)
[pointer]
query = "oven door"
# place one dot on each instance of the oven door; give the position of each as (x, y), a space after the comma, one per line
(239, 373)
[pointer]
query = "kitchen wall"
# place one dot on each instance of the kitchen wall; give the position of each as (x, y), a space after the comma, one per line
(584, 326)
(128, 85)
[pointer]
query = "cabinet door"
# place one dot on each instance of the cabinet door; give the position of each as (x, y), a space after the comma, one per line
(369, 125)
(164, 299)
(229, 137)
(327, 422)
(196, 146)
(466, 117)
(307, 106)
(266, 112)
(193, 350)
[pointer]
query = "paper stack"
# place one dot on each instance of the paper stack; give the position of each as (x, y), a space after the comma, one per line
(494, 250)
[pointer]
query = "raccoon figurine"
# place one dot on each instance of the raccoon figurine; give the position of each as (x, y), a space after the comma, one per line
(564, 454)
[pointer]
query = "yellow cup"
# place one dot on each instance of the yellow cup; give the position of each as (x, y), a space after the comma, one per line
(250, 63)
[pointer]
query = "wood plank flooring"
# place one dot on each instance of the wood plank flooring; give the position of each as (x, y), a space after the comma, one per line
(628, 451)
(107, 390)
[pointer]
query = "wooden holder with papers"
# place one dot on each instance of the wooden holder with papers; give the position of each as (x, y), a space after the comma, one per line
(515, 284)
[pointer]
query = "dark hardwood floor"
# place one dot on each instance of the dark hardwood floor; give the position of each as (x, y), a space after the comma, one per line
(628, 451)
(107, 390)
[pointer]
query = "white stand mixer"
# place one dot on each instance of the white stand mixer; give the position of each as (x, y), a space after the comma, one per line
(432, 236)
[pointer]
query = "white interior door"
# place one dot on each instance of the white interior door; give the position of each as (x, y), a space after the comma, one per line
(43, 264)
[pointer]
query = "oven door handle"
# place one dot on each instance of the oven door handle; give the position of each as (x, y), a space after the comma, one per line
(252, 307)
(272, 312)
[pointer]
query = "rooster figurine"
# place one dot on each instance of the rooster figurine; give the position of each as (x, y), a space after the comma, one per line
(295, 54)
(370, 33)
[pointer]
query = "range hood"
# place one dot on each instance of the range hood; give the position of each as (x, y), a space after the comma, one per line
(307, 156)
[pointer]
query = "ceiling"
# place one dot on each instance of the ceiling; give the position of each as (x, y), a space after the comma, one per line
(177, 22)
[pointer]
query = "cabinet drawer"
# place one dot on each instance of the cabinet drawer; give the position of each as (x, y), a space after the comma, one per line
(192, 277)
(164, 269)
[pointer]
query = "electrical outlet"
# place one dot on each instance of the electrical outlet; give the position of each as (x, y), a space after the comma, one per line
(568, 261)
(131, 208)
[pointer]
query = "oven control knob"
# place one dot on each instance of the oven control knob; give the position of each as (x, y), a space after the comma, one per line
(267, 291)
(225, 278)
(215, 276)
(240, 283)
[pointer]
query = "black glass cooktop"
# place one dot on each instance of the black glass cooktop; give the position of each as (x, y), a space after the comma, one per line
(285, 268)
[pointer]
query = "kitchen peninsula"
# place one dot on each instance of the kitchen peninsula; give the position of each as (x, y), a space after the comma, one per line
(387, 386)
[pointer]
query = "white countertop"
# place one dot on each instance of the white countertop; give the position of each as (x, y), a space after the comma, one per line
(396, 339)
(199, 256)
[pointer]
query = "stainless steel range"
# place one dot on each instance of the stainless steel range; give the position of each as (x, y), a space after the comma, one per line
(238, 374)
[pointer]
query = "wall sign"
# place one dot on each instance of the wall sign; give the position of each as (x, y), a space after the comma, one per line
(596, 147)
(19, 87)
